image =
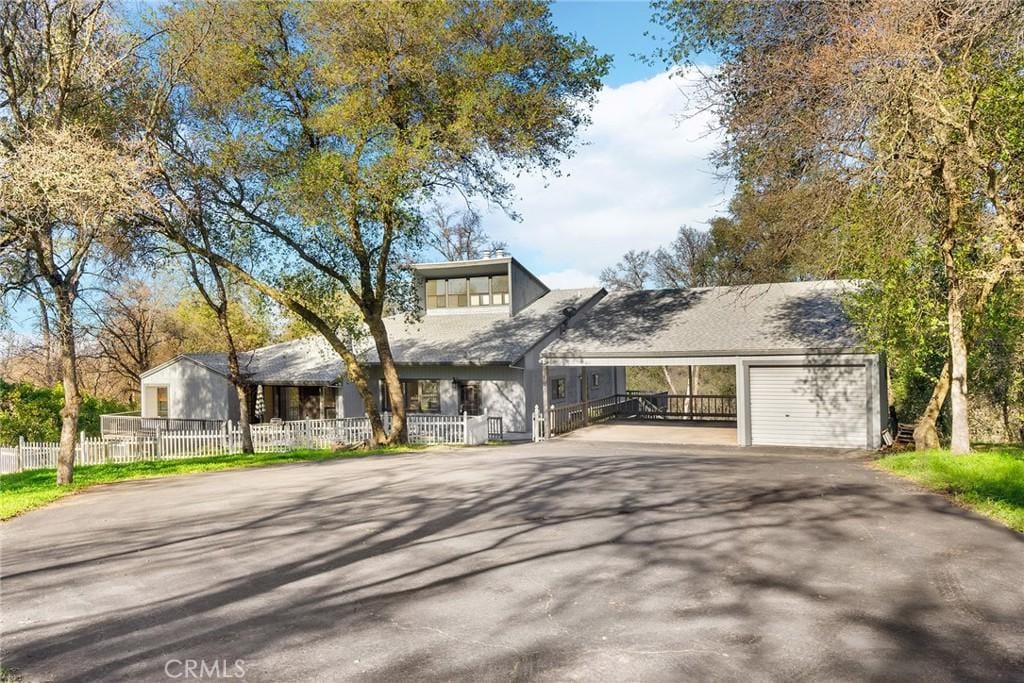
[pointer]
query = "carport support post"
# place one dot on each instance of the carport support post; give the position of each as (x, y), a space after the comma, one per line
(586, 395)
(544, 399)
(742, 411)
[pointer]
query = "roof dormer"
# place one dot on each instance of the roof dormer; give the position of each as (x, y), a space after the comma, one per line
(498, 284)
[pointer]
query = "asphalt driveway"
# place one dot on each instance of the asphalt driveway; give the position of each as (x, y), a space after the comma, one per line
(567, 560)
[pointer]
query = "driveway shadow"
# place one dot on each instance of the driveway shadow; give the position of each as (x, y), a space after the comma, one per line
(554, 561)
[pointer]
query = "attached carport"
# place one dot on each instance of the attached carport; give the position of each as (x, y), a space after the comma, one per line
(802, 379)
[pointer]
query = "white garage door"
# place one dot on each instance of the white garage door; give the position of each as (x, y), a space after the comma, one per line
(800, 405)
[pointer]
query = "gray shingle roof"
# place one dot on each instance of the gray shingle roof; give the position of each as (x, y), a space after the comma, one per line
(458, 339)
(302, 361)
(479, 339)
(757, 319)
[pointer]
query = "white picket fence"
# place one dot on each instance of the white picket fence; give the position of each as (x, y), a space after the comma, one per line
(266, 438)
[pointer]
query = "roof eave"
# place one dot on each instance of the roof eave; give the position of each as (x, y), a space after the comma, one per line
(717, 353)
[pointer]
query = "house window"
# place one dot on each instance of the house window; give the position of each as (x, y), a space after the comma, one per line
(479, 291)
(421, 396)
(436, 294)
(457, 297)
(161, 402)
(558, 388)
(483, 290)
(292, 405)
(499, 289)
(330, 403)
(309, 398)
(595, 380)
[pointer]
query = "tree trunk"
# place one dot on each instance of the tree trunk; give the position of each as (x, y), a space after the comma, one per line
(392, 384)
(72, 398)
(243, 418)
(960, 441)
(668, 380)
(926, 435)
(235, 373)
(960, 438)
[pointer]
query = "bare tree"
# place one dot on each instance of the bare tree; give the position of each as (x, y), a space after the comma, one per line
(132, 331)
(633, 271)
(71, 176)
(65, 198)
(686, 261)
(456, 235)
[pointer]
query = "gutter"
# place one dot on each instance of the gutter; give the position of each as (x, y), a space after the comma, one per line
(828, 351)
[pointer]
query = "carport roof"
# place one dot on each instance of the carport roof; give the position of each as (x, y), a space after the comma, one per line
(780, 318)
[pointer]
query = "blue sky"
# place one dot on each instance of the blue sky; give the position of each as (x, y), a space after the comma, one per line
(614, 28)
(641, 167)
(639, 173)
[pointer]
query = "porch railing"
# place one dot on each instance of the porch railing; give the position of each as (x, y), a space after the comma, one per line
(562, 419)
(129, 424)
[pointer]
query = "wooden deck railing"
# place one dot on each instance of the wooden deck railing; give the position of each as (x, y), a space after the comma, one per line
(562, 419)
(128, 424)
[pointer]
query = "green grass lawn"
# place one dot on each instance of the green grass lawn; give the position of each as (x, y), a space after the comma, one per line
(989, 481)
(28, 490)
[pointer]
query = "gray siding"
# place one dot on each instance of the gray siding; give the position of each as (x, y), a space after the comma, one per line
(613, 379)
(193, 391)
(350, 403)
(501, 388)
(525, 288)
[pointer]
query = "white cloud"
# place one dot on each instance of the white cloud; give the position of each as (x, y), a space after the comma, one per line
(569, 279)
(642, 172)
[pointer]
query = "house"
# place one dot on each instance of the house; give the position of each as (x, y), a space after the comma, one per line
(475, 349)
(494, 340)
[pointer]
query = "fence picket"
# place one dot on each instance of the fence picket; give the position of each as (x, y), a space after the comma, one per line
(266, 438)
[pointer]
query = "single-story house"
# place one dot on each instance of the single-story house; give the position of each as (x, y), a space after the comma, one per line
(493, 339)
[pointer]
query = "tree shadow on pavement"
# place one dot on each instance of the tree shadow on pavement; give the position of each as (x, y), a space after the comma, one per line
(538, 561)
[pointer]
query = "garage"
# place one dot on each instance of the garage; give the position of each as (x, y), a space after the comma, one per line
(803, 377)
(807, 405)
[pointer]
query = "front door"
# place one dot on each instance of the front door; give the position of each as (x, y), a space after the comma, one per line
(309, 398)
(469, 398)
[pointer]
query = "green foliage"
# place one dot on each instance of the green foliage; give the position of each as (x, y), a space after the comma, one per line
(990, 481)
(28, 490)
(197, 327)
(708, 379)
(342, 118)
(34, 412)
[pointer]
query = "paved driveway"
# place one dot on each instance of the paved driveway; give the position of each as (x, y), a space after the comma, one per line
(559, 561)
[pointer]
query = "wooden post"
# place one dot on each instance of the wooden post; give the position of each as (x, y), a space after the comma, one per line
(465, 427)
(21, 448)
(586, 395)
(157, 447)
(545, 399)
